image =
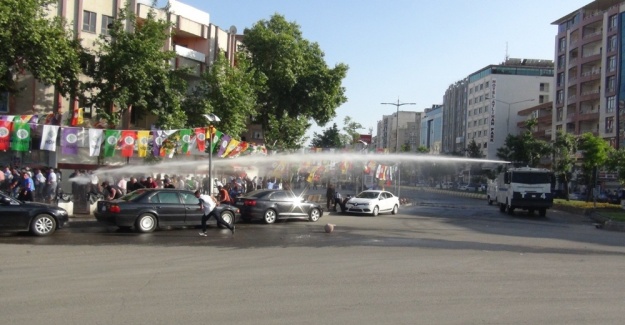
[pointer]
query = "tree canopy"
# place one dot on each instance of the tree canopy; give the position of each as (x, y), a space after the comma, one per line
(330, 138)
(133, 72)
(524, 149)
(300, 86)
(31, 41)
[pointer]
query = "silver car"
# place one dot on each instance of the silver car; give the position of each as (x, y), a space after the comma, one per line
(373, 202)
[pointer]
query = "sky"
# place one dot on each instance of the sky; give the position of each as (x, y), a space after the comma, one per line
(406, 50)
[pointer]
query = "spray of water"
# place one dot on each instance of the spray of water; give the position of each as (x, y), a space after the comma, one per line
(267, 164)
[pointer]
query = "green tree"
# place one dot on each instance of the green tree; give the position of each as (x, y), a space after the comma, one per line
(133, 73)
(351, 129)
(564, 148)
(300, 86)
(31, 41)
(596, 152)
(473, 150)
(616, 163)
(423, 149)
(524, 149)
(330, 138)
(228, 92)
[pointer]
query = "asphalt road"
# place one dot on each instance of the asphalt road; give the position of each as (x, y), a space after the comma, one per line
(443, 260)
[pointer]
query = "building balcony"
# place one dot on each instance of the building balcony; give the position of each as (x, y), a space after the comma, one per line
(189, 53)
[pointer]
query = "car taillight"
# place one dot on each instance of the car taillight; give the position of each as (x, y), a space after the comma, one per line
(249, 203)
(115, 209)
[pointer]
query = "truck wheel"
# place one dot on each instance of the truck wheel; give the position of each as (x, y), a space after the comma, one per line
(490, 202)
(510, 210)
(530, 211)
(502, 207)
(542, 212)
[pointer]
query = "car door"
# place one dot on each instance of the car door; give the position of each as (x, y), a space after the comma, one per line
(192, 208)
(171, 211)
(386, 203)
(13, 215)
(279, 200)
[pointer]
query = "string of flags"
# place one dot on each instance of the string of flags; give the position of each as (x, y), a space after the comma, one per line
(16, 134)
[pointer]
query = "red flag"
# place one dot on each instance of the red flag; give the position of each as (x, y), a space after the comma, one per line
(128, 140)
(200, 138)
(5, 134)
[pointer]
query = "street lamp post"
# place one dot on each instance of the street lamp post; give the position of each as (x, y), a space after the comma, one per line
(210, 118)
(509, 106)
(397, 117)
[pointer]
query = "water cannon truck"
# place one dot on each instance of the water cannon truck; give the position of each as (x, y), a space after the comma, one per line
(525, 188)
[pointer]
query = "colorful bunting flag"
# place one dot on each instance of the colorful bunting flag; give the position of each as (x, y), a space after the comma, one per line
(233, 143)
(217, 135)
(223, 144)
(48, 137)
(200, 138)
(20, 137)
(96, 136)
(111, 138)
(185, 140)
(69, 141)
(5, 134)
(143, 138)
(128, 140)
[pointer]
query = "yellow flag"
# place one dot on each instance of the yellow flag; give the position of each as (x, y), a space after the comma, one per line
(231, 145)
(142, 143)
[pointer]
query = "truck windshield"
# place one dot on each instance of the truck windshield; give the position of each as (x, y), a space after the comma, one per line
(531, 178)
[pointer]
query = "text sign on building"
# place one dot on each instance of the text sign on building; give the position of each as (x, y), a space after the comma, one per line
(493, 91)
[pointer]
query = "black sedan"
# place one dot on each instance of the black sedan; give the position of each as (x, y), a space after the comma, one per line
(270, 205)
(149, 208)
(39, 218)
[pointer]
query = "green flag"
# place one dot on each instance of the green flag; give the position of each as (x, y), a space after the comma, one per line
(185, 140)
(111, 138)
(215, 140)
(20, 137)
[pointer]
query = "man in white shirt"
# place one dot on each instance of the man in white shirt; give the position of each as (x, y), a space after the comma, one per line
(122, 185)
(208, 204)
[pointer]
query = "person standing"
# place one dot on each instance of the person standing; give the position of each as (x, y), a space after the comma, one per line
(330, 192)
(224, 196)
(51, 185)
(40, 182)
(134, 185)
(27, 188)
(123, 185)
(167, 183)
(113, 191)
(207, 205)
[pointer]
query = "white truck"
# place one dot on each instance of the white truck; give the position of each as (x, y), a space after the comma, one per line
(525, 188)
(491, 191)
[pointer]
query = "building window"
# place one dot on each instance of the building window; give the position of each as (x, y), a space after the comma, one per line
(107, 23)
(612, 63)
(543, 99)
(544, 86)
(560, 97)
(611, 104)
(609, 124)
(562, 44)
(470, 101)
(610, 84)
(561, 61)
(611, 43)
(612, 21)
(560, 79)
(4, 102)
(559, 114)
(88, 21)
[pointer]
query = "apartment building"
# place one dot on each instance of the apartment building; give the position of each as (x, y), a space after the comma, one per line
(397, 130)
(497, 93)
(542, 113)
(588, 54)
(196, 42)
(454, 117)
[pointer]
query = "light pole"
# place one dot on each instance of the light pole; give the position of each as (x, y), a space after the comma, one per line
(210, 118)
(509, 106)
(397, 117)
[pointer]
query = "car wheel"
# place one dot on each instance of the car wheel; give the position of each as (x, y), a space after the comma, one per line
(43, 225)
(228, 217)
(270, 216)
(395, 209)
(314, 215)
(376, 211)
(146, 223)
(542, 212)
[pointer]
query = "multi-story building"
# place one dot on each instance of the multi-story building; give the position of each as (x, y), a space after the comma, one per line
(401, 125)
(543, 114)
(196, 42)
(454, 117)
(432, 129)
(588, 54)
(497, 93)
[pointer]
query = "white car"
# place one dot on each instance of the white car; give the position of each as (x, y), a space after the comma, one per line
(373, 202)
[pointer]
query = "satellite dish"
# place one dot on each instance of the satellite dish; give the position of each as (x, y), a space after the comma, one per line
(233, 29)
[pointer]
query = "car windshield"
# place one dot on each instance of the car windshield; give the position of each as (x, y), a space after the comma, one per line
(367, 195)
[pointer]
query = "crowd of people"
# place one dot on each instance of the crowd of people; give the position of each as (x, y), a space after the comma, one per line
(26, 184)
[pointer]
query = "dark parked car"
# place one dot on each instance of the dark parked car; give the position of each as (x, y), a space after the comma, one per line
(39, 218)
(149, 208)
(270, 205)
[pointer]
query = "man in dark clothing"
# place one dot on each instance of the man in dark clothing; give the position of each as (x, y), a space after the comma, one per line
(114, 192)
(330, 192)
(168, 184)
(133, 185)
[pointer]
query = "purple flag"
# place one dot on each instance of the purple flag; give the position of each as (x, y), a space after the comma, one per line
(69, 141)
(225, 139)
